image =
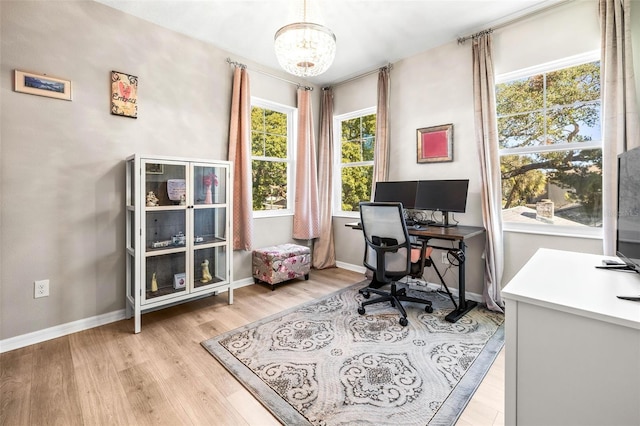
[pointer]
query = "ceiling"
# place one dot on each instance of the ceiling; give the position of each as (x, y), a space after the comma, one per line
(369, 33)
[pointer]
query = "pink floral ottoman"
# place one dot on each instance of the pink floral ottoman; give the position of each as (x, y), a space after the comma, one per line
(273, 265)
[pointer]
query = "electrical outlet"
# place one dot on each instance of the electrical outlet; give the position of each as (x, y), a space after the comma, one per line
(445, 259)
(40, 288)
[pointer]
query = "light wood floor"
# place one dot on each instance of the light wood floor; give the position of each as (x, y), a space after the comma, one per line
(162, 376)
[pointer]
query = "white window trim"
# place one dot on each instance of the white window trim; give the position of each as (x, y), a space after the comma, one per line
(337, 160)
(542, 229)
(292, 126)
(583, 58)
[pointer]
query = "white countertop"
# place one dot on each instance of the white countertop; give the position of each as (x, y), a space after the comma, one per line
(569, 282)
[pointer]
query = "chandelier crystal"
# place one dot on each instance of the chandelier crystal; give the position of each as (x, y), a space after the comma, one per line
(305, 49)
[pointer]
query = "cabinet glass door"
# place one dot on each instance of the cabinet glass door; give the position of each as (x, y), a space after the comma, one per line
(209, 185)
(209, 226)
(164, 184)
(165, 230)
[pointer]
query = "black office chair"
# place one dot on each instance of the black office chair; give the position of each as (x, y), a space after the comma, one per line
(388, 255)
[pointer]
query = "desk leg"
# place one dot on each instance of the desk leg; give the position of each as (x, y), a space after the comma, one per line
(464, 305)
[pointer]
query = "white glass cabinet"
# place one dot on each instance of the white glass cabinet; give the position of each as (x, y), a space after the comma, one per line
(178, 231)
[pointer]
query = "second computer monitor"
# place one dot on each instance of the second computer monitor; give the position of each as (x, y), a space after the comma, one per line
(442, 195)
(401, 191)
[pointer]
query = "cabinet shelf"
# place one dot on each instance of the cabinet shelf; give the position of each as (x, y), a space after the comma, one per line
(164, 291)
(177, 231)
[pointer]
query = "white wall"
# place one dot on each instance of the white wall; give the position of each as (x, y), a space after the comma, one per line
(62, 163)
(426, 90)
(436, 87)
(62, 170)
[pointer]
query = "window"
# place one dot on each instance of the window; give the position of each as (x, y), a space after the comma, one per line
(272, 130)
(551, 148)
(356, 133)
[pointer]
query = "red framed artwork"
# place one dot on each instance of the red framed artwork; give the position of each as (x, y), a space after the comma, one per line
(435, 144)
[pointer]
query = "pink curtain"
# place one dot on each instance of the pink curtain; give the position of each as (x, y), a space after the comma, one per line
(240, 156)
(621, 126)
(305, 214)
(324, 253)
(490, 190)
(381, 155)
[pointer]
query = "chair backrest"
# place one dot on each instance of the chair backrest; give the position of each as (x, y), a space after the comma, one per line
(388, 248)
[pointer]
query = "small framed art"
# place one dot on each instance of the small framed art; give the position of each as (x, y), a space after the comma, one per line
(124, 94)
(154, 169)
(179, 281)
(435, 144)
(42, 85)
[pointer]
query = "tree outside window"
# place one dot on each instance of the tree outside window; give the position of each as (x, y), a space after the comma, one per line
(550, 147)
(270, 156)
(355, 154)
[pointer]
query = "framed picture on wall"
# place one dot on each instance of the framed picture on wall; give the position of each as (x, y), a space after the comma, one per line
(124, 94)
(435, 144)
(42, 85)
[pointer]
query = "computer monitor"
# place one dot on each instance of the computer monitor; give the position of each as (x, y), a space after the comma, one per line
(628, 224)
(444, 196)
(400, 191)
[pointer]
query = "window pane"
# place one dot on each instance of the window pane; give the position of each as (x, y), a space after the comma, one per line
(575, 84)
(275, 122)
(368, 148)
(368, 125)
(578, 123)
(356, 186)
(352, 151)
(517, 131)
(276, 146)
(554, 188)
(257, 144)
(257, 119)
(522, 95)
(351, 129)
(269, 185)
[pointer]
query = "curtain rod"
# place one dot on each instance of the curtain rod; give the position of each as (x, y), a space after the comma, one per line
(461, 40)
(389, 66)
(243, 66)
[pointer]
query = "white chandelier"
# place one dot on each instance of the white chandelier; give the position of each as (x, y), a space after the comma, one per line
(305, 49)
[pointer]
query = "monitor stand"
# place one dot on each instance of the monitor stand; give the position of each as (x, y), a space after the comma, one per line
(445, 221)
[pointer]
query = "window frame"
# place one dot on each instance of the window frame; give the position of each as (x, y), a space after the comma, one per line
(337, 159)
(292, 125)
(542, 229)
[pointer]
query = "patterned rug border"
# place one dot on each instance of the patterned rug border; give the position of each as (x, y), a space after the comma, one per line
(447, 414)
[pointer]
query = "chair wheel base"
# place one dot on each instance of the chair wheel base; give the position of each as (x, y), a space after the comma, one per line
(428, 309)
(361, 310)
(403, 322)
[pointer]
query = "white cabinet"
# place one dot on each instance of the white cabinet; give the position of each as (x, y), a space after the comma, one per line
(178, 231)
(572, 347)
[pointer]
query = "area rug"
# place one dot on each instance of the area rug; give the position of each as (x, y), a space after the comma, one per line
(322, 363)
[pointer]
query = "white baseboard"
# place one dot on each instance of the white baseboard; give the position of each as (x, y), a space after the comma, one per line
(243, 282)
(351, 267)
(54, 332)
(39, 336)
(59, 331)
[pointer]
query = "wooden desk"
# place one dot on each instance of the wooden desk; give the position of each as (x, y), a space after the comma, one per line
(572, 347)
(458, 233)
